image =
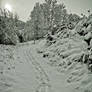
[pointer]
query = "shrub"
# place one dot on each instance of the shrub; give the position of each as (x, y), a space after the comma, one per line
(7, 28)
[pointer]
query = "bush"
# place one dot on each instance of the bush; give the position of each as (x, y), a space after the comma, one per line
(7, 28)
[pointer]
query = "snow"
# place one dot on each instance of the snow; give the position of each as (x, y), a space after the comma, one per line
(25, 70)
(66, 57)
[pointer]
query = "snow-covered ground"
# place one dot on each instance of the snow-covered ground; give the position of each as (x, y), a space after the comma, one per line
(22, 69)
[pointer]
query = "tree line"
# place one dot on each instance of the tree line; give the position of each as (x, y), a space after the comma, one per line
(47, 16)
(9, 27)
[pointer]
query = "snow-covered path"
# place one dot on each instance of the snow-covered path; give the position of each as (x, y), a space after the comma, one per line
(23, 76)
(33, 74)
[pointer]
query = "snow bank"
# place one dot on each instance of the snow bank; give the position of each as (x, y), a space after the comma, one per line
(71, 54)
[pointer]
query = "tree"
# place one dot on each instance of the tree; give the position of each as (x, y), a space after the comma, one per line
(51, 5)
(35, 18)
(45, 16)
(8, 27)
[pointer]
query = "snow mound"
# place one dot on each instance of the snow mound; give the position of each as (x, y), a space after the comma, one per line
(70, 52)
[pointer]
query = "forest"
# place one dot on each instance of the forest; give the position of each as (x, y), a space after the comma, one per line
(44, 18)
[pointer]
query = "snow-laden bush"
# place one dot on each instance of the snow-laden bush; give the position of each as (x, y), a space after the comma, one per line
(8, 33)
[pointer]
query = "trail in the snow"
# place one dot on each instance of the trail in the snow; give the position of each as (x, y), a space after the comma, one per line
(32, 73)
(44, 85)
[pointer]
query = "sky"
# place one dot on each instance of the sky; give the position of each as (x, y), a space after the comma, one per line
(24, 7)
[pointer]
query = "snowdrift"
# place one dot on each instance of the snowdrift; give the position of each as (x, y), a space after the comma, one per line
(70, 52)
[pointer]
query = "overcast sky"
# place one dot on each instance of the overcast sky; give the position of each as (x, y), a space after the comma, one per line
(24, 7)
